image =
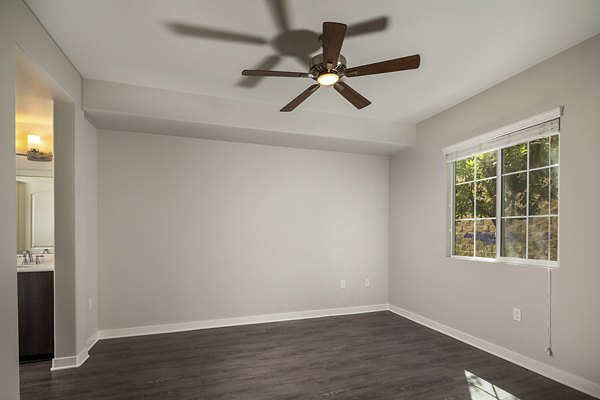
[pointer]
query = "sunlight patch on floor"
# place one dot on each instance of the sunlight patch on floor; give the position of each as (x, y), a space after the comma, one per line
(480, 389)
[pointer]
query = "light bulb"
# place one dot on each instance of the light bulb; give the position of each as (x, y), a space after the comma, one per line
(328, 79)
(33, 141)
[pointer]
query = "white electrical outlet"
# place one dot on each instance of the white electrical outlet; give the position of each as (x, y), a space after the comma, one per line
(90, 304)
(367, 282)
(343, 284)
(517, 314)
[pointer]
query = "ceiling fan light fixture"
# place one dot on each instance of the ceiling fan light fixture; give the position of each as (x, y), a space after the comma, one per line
(328, 78)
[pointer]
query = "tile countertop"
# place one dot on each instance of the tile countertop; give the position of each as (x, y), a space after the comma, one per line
(47, 264)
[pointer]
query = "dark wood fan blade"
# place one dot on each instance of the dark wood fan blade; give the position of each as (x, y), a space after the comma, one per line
(301, 97)
(211, 33)
(351, 95)
(286, 74)
(333, 38)
(265, 64)
(398, 64)
(370, 26)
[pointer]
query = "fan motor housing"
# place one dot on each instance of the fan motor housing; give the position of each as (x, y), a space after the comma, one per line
(317, 66)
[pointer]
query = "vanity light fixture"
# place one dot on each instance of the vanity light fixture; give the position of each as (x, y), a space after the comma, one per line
(34, 154)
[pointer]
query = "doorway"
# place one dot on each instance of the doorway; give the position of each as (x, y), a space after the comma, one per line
(44, 144)
(34, 147)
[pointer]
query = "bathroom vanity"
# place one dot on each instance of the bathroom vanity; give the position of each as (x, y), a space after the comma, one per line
(36, 312)
(35, 263)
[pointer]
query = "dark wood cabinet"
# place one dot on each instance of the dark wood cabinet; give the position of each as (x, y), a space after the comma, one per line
(36, 315)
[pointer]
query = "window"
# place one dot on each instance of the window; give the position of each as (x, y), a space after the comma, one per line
(475, 206)
(504, 199)
(530, 200)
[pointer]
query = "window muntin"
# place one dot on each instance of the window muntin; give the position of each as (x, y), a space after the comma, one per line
(528, 178)
(475, 206)
(530, 199)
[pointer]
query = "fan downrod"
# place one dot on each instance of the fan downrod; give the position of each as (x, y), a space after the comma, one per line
(318, 67)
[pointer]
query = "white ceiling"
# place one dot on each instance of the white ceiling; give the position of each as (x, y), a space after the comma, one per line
(466, 46)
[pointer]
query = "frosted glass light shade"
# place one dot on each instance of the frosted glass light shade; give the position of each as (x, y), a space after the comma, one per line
(328, 79)
(33, 141)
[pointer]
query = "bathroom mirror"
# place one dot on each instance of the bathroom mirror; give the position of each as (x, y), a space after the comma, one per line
(35, 212)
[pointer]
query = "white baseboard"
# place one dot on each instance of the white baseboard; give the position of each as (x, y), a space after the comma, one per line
(92, 340)
(220, 323)
(566, 378)
(60, 363)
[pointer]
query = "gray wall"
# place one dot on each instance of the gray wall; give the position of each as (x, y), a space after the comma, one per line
(193, 229)
(9, 342)
(477, 297)
(86, 235)
(18, 27)
(65, 322)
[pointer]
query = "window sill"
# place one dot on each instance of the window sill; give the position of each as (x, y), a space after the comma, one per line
(511, 261)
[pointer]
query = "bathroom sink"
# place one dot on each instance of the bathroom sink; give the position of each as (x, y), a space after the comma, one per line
(46, 264)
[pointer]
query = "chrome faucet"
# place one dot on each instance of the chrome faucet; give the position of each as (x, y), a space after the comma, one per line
(27, 257)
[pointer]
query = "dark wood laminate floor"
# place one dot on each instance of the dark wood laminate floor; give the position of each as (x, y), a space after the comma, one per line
(367, 356)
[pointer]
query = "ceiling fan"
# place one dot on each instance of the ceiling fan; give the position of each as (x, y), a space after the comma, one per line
(329, 67)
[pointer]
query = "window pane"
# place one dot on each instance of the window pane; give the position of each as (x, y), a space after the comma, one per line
(554, 238)
(513, 237)
(554, 190)
(464, 201)
(515, 194)
(514, 158)
(486, 238)
(554, 149)
(539, 192)
(463, 238)
(486, 165)
(538, 238)
(486, 198)
(464, 169)
(539, 153)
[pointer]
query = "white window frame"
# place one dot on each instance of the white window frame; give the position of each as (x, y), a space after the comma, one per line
(474, 219)
(523, 124)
